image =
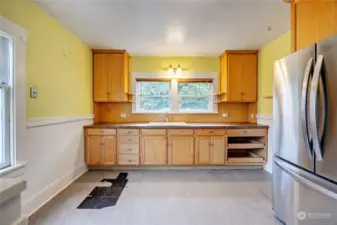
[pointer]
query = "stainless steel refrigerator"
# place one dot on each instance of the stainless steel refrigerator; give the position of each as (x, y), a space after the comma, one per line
(305, 136)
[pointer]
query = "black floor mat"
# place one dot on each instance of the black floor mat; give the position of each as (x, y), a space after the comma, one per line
(102, 197)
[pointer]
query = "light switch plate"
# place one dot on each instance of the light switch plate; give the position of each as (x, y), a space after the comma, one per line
(252, 116)
(33, 92)
(123, 115)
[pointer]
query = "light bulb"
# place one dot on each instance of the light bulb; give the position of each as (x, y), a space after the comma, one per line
(170, 70)
(179, 70)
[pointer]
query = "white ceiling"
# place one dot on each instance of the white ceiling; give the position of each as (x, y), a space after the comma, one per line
(172, 27)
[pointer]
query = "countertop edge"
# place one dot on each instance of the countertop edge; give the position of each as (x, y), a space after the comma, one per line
(187, 126)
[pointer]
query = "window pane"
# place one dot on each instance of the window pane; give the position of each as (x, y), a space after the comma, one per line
(193, 103)
(153, 96)
(194, 88)
(6, 64)
(195, 96)
(5, 48)
(155, 103)
(154, 88)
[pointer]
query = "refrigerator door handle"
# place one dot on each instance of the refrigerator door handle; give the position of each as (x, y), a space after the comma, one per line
(304, 105)
(318, 136)
(307, 179)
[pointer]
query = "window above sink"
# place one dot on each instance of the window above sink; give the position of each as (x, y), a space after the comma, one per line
(157, 93)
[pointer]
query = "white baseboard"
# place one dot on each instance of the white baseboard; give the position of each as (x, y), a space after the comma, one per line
(31, 205)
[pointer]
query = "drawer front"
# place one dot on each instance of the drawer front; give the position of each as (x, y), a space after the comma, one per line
(128, 139)
(178, 132)
(210, 131)
(128, 159)
(247, 132)
(101, 131)
(128, 132)
(153, 131)
(128, 148)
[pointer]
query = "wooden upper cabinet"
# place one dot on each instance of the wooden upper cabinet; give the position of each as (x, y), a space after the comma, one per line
(312, 21)
(111, 75)
(93, 150)
(109, 150)
(238, 76)
(181, 150)
(153, 150)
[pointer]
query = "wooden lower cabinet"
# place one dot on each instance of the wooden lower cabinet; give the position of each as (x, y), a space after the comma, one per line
(218, 149)
(210, 150)
(153, 150)
(174, 147)
(100, 150)
(93, 150)
(181, 150)
(109, 151)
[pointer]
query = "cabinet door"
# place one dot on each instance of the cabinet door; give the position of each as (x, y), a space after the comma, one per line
(153, 150)
(203, 150)
(218, 150)
(101, 77)
(116, 78)
(235, 77)
(313, 21)
(93, 150)
(109, 150)
(249, 84)
(181, 150)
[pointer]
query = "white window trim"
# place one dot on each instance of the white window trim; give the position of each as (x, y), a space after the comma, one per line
(19, 93)
(174, 91)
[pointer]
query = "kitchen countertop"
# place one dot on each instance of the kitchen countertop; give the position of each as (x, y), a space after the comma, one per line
(181, 126)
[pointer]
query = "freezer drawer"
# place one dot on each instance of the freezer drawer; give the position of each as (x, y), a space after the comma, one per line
(300, 198)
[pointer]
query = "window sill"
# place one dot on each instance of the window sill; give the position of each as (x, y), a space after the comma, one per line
(11, 170)
(177, 113)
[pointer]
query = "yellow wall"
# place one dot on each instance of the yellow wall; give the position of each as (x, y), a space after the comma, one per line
(269, 53)
(193, 64)
(58, 63)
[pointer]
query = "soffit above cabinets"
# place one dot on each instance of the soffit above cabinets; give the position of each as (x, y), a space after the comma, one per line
(172, 27)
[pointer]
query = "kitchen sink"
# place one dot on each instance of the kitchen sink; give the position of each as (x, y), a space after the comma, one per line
(166, 123)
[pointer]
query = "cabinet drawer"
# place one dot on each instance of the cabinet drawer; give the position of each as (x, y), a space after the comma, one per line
(178, 132)
(101, 131)
(128, 148)
(128, 159)
(210, 132)
(128, 139)
(128, 132)
(153, 131)
(247, 132)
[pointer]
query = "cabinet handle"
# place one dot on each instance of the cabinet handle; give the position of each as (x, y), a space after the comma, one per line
(129, 149)
(129, 132)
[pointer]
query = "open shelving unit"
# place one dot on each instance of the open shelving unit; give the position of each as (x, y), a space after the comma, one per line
(246, 150)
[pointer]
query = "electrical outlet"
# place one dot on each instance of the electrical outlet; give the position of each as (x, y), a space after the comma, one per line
(123, 115)
(225, 115)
